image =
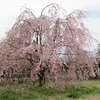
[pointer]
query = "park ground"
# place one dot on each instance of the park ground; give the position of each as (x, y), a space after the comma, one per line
(76, 90)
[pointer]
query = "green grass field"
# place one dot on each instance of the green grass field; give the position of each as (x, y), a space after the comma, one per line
(78, 90)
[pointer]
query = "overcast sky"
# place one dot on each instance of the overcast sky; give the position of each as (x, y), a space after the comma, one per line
(10, 10)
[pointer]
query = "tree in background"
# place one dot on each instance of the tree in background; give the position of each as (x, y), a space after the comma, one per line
(98, 55)
(49, 47)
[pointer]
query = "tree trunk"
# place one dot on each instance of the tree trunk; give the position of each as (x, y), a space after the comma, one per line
(41, 76)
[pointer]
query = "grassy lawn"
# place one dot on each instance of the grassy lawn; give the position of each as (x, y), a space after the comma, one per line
(79, 90)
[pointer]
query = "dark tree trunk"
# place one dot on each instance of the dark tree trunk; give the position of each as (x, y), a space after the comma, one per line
(41, 76)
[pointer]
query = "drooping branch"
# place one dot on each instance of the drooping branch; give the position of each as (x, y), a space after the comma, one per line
(52, 4)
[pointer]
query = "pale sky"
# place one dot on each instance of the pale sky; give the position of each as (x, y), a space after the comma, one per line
(10, 10)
